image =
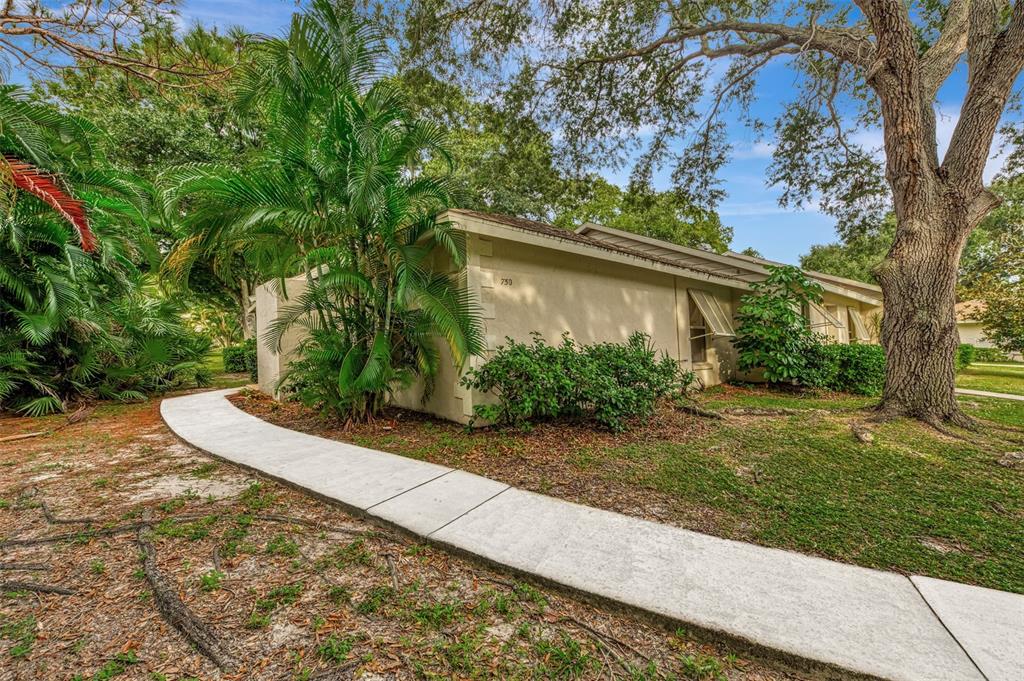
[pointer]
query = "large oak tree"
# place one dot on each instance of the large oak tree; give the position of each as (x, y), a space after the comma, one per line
(601, 71)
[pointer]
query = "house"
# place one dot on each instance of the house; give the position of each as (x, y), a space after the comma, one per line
(968, 325)
(598, 284)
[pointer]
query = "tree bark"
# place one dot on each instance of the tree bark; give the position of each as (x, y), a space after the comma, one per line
(919, 333)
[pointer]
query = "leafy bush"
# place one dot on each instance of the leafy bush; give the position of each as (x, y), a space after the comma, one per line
(965, 354)
(861, 369)
(854, 368)
(241, 358)
(773, 334)
(608, 383)
(990, 355)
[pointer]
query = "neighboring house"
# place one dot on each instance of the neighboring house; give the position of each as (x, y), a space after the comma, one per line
(598, 284)
(968, 325)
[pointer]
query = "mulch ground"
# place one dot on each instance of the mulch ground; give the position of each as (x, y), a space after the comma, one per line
(558, 459)
(286, 586)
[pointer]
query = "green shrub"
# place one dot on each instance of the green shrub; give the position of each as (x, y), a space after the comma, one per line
(854, 368)
(861, 369)
(964, 356)
(773, 334)
(608, 383)
(990, 355)
(241, 358)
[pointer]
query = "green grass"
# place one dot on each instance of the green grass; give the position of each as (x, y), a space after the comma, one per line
(999, 379)
(912, 501)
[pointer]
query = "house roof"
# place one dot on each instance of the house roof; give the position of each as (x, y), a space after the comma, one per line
(586, 240)
(731, 269)
(968, 310)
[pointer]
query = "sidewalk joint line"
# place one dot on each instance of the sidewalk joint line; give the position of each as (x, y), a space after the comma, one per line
(425, 482)
(463, 515)
(951, 634)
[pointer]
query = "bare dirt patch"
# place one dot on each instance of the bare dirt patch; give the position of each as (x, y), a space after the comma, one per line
(291, 587)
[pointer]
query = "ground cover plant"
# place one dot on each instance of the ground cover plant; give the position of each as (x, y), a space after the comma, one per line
(783, 469)
(291, 587)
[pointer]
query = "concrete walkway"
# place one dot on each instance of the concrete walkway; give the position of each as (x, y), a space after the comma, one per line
(985, 393)
(875, 623)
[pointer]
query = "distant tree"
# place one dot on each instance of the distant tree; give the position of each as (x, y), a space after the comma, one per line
(665, 215)
(751, 252)
(856, 257)
(150, 126)
(600, 72)
(500, 162)
(992, 268)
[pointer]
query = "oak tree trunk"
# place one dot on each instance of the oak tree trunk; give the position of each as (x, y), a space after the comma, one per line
(919, 332)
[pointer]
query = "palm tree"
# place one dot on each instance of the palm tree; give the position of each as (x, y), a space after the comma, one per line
(335, 192)
(73, 321)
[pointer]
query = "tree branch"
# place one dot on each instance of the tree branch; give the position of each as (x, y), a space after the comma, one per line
(995, 69)
(939, 60)
(849, 45)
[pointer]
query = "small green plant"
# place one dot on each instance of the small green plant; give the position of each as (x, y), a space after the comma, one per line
(339, 594)
(117, 666)
(701, 668)
(375, 600)
(437, 615)
(255, 498)
(210, 581)
(281, 545)
(204, 471)
(565, 659)
(97, 567)
(22, 632)
(965, 353)
(335, 649)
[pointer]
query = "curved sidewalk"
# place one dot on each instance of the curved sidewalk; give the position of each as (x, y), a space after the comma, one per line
(855, 619)
(986, 393)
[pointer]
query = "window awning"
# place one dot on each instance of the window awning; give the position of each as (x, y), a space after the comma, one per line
(860, 330)
(830, 319)
(714, 316)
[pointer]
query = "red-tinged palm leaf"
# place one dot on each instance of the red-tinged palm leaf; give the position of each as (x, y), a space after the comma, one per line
(28, 178)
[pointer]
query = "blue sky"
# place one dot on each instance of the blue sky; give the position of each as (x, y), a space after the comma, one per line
(750, 208)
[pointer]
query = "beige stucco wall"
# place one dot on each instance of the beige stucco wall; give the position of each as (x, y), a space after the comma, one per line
(270, 301)
(971, 332)
(526, 287)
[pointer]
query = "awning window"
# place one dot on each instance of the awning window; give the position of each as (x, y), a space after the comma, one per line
(830, 319)
(860, 330)
(715, 317)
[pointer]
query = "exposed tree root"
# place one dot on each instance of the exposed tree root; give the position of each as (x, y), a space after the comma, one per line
(862, 433)
(177, 614)
(38, 588)
(99, 532)
(697, 410)
(22, 436)
(768, 411)
(27, 567)
(53, 520)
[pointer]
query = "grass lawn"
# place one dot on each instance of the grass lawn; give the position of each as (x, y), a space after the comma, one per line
(214, 362)
(913, 500)
(1007, 378)
(293, 587)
